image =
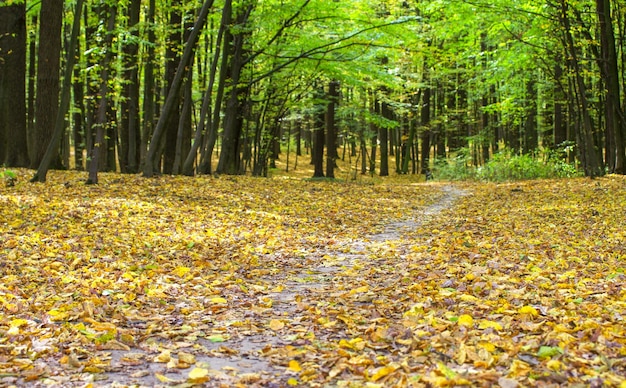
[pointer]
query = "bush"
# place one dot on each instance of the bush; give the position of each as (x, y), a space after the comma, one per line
(504, 166)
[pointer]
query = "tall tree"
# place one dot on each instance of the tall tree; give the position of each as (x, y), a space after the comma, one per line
(13, 138)
(151, 161)
(59, 124)
(48, 68)
(130, 135)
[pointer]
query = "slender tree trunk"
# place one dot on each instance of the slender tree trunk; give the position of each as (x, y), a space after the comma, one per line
(331, 129)
(172, 63)
(13, 135)
(149, 106)
(130, 139)
(172, 97)
(425, 123)
(230, 158)
(317, 151)
(386, 112)
(101, 115)
(587, 150)
(211, 138)
(531, 140)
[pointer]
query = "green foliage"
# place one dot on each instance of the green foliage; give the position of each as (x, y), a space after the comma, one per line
(9, 177)
(505, 166)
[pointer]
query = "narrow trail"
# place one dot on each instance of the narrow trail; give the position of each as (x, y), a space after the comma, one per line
(253, 340)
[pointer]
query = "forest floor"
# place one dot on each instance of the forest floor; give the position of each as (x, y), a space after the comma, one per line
(239, 281)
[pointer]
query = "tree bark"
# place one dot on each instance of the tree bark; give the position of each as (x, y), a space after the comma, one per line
(130, 139)
(331, 148)
(101, 121)
(613, 114)
(13, 135)
(59, 125)
(230, 159)
(172, 96)
(48, 67)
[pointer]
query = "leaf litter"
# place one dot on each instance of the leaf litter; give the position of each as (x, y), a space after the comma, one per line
(176, 281)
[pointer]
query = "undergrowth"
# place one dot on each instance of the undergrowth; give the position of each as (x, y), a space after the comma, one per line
(506, 166)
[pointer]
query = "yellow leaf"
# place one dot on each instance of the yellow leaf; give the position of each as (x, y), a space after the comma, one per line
(163, 378)
(554, 365)
(488, 346)
(294, 366)
(359, 290)
(218, 300)
(384, 371)
(529, 310)
(18, 322)
(181, 271)
(187, 358)
(165, 356)
(466, 320)
(486, 324)
(292, 382)
(13, 330)
(276, 324)
(198, 375)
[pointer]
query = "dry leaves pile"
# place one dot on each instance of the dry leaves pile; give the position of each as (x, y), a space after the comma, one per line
(272, 282)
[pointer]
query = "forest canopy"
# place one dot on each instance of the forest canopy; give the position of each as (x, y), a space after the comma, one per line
(174, 87)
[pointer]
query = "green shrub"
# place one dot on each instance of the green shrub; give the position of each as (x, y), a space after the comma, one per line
(505, 166)
(9, 177)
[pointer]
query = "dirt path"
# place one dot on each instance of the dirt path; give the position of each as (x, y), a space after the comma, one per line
(292, 313)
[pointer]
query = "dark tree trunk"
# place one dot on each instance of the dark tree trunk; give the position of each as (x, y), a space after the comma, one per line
(531, 142)
(560, 123)
(613, 114)
(59, 123)
(172, 97)
(149, 94)
(386, 113)
(130, 139)
(331, 129)
(13, 135)
(230, 157)
(48, 67)
(172, 62)
(584, 129)
(317, 152)
(101, 119)
(425, 123)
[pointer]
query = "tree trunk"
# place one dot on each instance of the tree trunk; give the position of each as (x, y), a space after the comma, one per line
(149, 105)
(331, 129)
(172, 96)
(59, 125)
(13, 135)
(613, 114)
(48, 67)
(317, 151)
(386, 112)
(584, 135)
(425, 123)
(172, 63)
(230, 158)
(101, 121)
(130, 139)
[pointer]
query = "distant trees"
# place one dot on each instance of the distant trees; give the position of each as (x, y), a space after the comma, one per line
(216, 87)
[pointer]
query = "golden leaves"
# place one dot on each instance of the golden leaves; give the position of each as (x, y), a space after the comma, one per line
(287, 274)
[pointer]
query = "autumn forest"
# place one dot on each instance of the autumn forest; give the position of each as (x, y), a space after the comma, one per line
(313, 193)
